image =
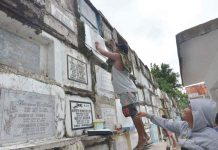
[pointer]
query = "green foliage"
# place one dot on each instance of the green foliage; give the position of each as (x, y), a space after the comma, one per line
(183, 100)
(166, 78)
(168, 82)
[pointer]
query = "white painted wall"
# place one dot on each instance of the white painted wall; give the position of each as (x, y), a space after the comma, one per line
(200, 61)
(197, 56)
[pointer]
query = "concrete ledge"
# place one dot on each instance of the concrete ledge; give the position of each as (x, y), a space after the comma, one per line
(90, 141)
(42, 144)
(197, 31)
(82, 142)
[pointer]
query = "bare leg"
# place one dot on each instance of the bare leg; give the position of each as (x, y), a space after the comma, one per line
(141, 131)
(146, 135)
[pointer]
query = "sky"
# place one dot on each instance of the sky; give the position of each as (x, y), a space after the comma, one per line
(150, 26)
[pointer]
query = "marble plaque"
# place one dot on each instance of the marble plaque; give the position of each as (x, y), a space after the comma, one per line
(137, 61)
(154, 101)
(87, 12)
(18, 52)
(109, 115)
(107, 32)
(81, 115)
(150, 109)
(154, 133)
(91, 37)
(77, 70)
(140, 95)
(145, 71)
(147, 97)
(26, 116)
(104, 84)
(59, 15)
(144, 119)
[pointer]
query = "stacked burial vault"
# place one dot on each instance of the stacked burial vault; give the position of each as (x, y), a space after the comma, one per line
(53, 83)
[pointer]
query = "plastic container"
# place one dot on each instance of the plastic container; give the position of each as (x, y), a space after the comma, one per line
(98, 124)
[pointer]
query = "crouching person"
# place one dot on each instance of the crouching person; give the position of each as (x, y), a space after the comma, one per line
(196, 131)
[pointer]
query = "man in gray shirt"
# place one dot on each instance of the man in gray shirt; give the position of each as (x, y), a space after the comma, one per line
(124, 87)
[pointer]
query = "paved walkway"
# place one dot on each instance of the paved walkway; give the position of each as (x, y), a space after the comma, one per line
(160, 146)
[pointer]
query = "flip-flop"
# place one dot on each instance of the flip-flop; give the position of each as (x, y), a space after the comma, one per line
(148, 143)
(140, 148)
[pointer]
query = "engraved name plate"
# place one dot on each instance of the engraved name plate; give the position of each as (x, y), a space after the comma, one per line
(77, 70)
(26, 116)
(81, 115)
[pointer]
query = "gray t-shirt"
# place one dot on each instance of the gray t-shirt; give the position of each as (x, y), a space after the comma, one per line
(121, 81)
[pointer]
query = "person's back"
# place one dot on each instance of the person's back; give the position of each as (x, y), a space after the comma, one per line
(206, 138)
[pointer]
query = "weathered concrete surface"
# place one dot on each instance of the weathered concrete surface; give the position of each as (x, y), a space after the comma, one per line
(20, 83)
(39, 17)
(22, 119)
(97, 143)
(18, 52)
(65, 144)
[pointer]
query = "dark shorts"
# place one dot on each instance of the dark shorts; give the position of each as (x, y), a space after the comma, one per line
(129, 104)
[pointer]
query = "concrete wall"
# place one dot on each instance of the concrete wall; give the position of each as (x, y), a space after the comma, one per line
(204, 48)
(52, 88)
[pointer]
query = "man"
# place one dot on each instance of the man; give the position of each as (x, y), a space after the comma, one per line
(196, 131)
(124, 87)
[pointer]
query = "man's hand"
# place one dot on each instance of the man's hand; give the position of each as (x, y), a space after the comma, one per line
(113, 56)
(97, 46)
(142, 114)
